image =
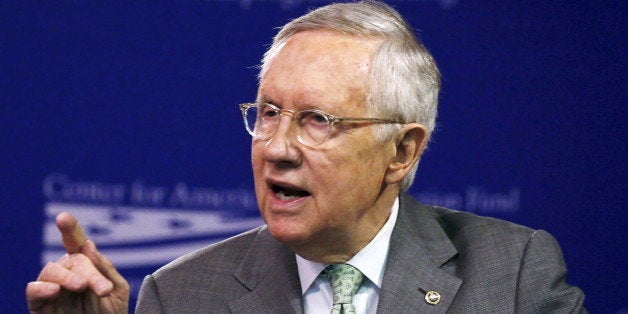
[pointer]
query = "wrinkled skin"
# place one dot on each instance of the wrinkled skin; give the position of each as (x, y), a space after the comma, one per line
(82, 281)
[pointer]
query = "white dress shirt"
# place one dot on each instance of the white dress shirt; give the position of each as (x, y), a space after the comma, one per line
(371, 261)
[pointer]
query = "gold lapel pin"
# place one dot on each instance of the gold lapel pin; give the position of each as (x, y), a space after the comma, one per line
(432, 297)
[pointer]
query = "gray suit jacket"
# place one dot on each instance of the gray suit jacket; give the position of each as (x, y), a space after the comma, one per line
(476, 264)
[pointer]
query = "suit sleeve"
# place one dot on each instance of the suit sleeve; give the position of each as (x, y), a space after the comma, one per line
(148, 300)
(541, 284)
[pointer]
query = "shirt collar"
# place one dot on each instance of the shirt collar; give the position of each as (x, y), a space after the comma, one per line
(370, 260)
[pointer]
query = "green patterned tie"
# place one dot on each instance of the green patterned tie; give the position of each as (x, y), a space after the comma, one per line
(345, 281)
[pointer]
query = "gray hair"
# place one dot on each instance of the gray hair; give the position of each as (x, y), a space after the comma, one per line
(404, 81)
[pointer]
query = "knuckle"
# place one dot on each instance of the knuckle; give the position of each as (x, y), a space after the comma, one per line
(47, 270)
(31, 290)
(74, 260)
(124, 285)
(63, 258)
(95, 277)
(80, 257)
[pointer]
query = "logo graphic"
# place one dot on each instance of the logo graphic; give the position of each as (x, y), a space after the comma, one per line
(135, 236)
(138, 225)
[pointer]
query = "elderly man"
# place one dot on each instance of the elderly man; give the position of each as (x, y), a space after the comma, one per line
(346, 104)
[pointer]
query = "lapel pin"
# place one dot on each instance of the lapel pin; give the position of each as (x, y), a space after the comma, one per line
(432, 297)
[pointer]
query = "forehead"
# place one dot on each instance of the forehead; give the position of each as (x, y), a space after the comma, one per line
(319, 69)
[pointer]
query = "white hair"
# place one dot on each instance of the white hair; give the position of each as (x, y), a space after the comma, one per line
(404, 81)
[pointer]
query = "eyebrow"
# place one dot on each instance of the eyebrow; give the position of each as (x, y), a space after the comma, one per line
(264, 98)
(306, 106)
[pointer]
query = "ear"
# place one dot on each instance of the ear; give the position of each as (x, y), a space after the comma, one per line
(410, 143)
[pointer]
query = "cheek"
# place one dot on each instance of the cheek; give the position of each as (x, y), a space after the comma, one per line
(257, 160)
(367, 164)
(342, 178)
(257, 164)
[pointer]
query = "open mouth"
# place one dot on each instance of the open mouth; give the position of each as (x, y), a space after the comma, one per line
(288, 194)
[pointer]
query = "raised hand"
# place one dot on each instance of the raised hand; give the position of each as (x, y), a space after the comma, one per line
(82, 281)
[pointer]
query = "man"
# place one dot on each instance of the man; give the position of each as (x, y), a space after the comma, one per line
(346, 105)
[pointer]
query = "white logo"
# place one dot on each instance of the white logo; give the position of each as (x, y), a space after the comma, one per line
(158, 224)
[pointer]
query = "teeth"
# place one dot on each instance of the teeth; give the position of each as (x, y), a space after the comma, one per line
(282, 196)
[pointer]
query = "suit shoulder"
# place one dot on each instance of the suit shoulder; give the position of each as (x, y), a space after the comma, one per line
(480, 236)
(219, 257)
(457, 221)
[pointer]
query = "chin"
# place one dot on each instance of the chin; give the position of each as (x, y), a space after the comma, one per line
(286, 233)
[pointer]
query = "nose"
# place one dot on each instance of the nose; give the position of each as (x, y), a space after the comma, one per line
(282, 148)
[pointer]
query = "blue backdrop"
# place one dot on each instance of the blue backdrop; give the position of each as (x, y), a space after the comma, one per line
(125, 114)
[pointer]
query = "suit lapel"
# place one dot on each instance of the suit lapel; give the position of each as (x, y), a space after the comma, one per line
(419, 256)
(270, 273)
(417, 261)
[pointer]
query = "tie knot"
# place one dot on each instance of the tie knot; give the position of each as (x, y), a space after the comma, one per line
(345, 281)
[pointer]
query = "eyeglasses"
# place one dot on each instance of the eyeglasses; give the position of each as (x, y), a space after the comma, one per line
(313, 127)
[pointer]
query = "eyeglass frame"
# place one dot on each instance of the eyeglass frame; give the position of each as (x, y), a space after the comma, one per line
(331, 120)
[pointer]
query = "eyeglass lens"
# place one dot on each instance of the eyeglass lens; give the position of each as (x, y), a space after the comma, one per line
(263, 120)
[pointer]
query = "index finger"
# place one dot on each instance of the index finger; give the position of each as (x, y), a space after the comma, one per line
(72, 233)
